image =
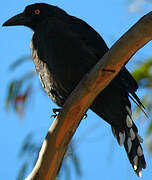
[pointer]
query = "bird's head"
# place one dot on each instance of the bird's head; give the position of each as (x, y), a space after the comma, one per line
(34, 14)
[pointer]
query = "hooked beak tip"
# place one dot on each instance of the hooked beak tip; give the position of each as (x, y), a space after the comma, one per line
(5, 24)
(19, 19)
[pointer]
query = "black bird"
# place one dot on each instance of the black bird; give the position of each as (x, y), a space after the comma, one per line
(64, 48)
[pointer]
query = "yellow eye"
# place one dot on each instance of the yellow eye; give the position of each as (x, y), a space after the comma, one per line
(37, 11)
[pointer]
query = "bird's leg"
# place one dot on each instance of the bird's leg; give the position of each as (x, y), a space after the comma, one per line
(56, 112)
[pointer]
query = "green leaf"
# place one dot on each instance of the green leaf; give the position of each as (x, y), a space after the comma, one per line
(28, 76)
(10, 94)
(22, 172)
(143, 70)
(26, 144)
(15, 93)
(18, 62)
(149, 130)
(76, 163)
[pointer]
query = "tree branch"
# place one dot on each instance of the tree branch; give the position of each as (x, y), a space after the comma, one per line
(66, 123)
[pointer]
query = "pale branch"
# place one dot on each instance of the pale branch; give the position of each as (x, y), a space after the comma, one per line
(66, 123)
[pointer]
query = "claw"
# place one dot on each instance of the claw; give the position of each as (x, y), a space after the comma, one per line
(53, 116)
(85, 116)
(56, 112)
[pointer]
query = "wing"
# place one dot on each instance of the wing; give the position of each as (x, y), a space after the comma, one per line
(71, 48)
(87, 34)
(65, 53)
(98, 47)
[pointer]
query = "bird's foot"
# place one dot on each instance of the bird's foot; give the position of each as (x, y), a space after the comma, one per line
(85, 116)
(56, 112)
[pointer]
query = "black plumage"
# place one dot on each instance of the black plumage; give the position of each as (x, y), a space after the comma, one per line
(64, 48)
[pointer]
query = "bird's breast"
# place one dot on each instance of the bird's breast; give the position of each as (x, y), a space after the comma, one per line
(46, 77)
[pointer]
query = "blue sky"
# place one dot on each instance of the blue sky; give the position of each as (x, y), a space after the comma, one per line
(100, 155)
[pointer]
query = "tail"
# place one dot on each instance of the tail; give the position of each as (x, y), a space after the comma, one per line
(131, 140)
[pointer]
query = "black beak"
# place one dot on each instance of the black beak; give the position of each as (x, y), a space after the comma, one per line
(19, 19)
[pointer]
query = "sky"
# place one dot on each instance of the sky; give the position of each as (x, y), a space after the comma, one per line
(99, 154)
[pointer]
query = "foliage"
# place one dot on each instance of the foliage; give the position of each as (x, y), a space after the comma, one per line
(18, 94)
(143, 75)
(30, 150)
(19, 89)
